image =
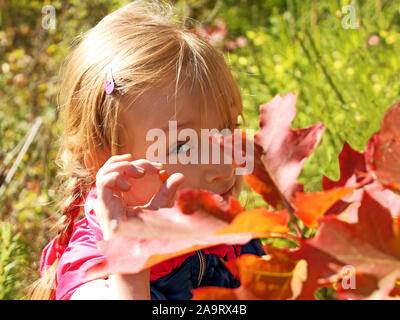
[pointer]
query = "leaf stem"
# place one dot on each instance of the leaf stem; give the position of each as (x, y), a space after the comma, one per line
(285, 236)
(293, 220)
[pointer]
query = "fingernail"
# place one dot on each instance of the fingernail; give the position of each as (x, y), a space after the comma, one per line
(158, 165)
(140, 170)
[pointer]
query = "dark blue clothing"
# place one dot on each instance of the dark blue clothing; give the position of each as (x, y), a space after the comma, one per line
(178, 284)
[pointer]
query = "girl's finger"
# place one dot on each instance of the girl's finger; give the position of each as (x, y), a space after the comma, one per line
(166, 194)
(149, 166)
(134, 169)
(113, 159)
(119, 157)
(111, 183)
(125, 168)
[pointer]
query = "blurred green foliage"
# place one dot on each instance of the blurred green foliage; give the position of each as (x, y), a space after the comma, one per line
(345, 78)
(13, 259)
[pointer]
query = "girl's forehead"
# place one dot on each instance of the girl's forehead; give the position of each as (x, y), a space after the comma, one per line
(157, 106)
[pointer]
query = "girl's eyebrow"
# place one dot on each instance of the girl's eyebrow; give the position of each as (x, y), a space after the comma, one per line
(179, 124)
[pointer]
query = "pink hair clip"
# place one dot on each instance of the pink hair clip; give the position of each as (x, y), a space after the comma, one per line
(109, 82)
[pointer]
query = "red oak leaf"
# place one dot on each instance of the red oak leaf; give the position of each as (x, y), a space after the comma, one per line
(383, 150)
(285, 150)
(385, 197)
(350, 162)
(155, 236)
(371, 246)
(354, 173)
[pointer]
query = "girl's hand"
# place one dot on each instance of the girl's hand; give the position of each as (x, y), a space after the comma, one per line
(110, 206)
(111, 183)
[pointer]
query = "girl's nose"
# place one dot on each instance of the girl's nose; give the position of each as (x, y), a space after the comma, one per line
(219, 172)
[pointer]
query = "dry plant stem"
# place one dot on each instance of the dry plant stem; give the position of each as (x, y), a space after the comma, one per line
(28, 141)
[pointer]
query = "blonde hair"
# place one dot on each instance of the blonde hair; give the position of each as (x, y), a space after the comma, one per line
(145, 45)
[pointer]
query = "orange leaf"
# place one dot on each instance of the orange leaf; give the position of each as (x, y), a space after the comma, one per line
(213, 293)
(272, 277)
(191, 200)
(259, 220)
(311, 206)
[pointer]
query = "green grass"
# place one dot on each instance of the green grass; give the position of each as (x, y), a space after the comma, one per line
(13, 263)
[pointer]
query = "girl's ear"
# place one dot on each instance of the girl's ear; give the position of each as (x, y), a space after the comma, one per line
(90, 162)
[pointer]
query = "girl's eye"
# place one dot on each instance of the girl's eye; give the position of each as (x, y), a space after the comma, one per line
(181, 147)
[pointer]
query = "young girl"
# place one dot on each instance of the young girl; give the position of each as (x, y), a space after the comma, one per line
(136, 70)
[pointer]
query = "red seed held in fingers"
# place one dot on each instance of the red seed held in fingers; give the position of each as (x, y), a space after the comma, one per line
(163, 176)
